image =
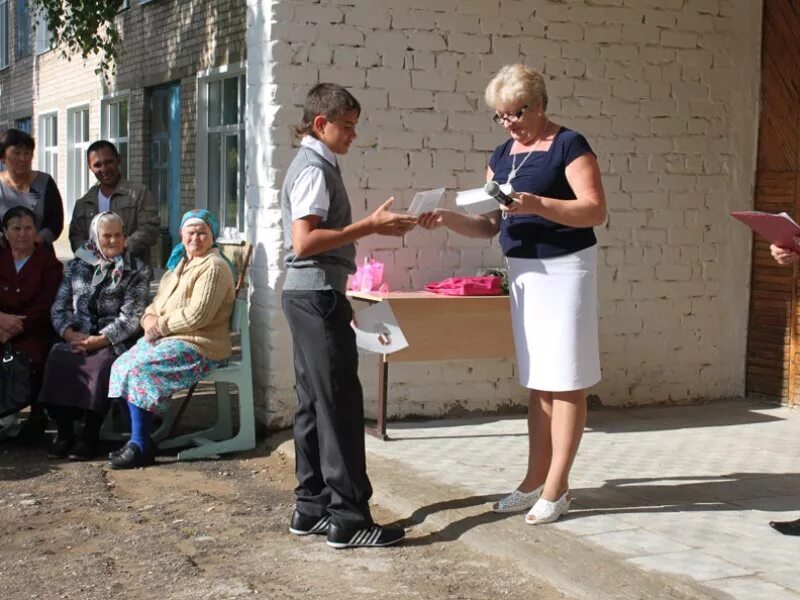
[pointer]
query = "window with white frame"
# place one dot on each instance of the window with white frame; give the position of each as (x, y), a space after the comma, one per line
(221, 148)
(23, 26)
(43, 41)
(4, 33)
(48, 144)
(77, 143)
(114, 127)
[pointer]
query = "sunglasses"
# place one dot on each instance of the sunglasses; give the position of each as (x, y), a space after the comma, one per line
(500, 119)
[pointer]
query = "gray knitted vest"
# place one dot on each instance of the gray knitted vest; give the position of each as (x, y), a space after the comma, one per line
(328, 270)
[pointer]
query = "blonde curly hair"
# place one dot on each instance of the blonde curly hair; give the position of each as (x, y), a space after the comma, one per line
(515, 83)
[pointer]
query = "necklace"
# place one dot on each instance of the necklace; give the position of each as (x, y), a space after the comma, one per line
(514, 168)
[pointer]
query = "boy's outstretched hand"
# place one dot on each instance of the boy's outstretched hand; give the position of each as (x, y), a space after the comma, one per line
(386, 222)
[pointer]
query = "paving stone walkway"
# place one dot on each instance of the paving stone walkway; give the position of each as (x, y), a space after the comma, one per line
(681, 491)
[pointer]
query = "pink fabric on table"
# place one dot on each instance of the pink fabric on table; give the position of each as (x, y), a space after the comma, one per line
(489, 285)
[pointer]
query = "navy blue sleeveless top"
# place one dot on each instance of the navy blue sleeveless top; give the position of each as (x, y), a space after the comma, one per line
(543, 174)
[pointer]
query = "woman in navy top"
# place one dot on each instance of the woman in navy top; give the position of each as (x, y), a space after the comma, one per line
(547, 237)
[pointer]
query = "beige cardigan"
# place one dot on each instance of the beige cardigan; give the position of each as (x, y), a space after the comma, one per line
(194, 304)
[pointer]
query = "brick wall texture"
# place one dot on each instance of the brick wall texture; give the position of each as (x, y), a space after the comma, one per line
(665, 91)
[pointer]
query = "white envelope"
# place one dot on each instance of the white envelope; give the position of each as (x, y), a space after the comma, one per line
(425, 201)
(377, 329)
(478, 202)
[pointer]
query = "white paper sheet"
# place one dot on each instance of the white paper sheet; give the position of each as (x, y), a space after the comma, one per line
(425, 201)
(478, 202)
(377, 329)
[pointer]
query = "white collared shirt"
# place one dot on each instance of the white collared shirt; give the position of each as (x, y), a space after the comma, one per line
(309, 195)
(103, 202)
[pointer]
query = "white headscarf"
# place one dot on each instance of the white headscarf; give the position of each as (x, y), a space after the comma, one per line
(90, 253)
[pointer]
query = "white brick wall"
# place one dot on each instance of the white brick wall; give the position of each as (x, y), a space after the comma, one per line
(666, 92)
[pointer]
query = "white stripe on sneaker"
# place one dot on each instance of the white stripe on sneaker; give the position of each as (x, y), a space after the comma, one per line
(360, 537)
(376, 533)
(321, 525)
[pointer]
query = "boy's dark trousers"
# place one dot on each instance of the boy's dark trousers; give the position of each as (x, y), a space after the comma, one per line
(329, 422)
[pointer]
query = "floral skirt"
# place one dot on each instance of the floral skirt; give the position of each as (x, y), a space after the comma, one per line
(148, 374)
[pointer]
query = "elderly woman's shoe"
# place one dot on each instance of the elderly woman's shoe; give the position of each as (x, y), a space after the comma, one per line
(132, 457)
(117, 452)
(517, 501)
(60, 447)
(547, 511)
(83, 450)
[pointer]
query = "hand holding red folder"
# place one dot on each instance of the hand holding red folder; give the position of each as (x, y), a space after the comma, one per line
(779, 229)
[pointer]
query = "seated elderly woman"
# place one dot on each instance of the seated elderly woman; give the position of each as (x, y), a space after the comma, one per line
(96, 312)
(186, 334)
(29, 279)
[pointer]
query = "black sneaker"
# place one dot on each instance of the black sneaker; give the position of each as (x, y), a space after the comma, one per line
(305, 525)
(374, 536)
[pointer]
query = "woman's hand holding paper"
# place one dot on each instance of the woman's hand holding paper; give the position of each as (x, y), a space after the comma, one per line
(432, 220)
(784, 256)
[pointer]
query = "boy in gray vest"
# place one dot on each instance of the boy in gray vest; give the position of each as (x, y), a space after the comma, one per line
(333, 491)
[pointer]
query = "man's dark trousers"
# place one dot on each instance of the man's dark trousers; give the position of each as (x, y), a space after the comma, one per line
(329, 422)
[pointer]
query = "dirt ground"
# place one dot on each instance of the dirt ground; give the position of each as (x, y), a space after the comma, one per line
(208, 530)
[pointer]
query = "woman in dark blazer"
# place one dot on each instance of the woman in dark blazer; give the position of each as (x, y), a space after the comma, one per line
(29, 279)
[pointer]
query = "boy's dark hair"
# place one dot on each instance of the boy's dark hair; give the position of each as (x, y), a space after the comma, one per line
(99, 145)
(328, 99)
(15, 137)
(16, 212)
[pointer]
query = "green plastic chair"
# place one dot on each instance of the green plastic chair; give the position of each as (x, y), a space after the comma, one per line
(219, 439)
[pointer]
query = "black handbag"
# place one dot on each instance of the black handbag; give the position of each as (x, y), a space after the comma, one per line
(16, 381)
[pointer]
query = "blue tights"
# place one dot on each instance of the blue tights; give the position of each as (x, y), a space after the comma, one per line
(141, 426)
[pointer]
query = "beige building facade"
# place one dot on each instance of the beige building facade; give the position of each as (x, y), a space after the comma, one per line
(666, 91)
(174, 106)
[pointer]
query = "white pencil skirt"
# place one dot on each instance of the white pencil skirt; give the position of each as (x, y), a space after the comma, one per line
(554, 318)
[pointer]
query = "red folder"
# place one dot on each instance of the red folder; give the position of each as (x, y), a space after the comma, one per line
(779, 229)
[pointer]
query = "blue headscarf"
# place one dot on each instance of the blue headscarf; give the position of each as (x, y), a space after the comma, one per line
(179, 252)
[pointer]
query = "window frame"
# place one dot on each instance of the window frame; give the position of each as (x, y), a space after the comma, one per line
(24, 122)
(76, 156)
(105, 125)
(5, 30)
(44, 149)
(41, 25)
(239, 71)
(22, 23)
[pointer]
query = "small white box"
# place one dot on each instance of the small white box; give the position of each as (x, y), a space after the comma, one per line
(478, 202)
